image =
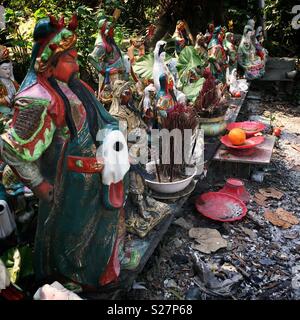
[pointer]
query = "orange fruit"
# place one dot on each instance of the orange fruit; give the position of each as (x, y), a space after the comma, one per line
(237, 136)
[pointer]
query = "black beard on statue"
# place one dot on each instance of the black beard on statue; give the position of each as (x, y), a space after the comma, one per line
(68, 114)
(90, 104)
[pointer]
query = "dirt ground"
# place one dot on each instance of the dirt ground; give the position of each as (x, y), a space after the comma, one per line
(261, 260)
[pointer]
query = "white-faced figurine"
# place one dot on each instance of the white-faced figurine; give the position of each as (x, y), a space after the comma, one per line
(8, 85)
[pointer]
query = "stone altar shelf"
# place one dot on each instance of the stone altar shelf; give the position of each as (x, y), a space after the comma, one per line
(261, 156)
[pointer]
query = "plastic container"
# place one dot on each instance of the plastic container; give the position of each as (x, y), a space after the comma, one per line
(236, 187)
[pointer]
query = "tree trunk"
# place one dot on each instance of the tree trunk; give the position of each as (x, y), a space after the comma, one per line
(197, 13)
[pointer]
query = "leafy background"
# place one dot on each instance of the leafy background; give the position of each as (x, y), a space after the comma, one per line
(21, 16)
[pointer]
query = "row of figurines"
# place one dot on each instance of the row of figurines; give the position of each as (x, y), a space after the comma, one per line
(32, 133)
(216, 47)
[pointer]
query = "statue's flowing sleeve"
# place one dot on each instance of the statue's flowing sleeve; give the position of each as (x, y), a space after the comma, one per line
(96, 58)
(30, 134)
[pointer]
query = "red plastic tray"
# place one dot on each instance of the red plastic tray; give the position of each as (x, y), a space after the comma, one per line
(221, 206)
(250, 127)
(249, 143)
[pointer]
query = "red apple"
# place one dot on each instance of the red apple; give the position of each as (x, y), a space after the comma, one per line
(237, 94)
(277, 132)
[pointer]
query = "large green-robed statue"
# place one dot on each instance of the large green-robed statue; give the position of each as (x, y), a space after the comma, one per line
(57, 146)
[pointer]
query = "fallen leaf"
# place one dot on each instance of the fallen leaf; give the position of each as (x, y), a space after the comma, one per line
(271, 193)
(281, 218)
(287, 216)
(260, 199)
(209, 240)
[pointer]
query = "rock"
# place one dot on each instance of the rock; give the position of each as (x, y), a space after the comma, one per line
(291, 235)
(177, 243)
(283, 256)
(267, 262)
(250, 233)
(183, 223)
(170, 283)
(193, 293)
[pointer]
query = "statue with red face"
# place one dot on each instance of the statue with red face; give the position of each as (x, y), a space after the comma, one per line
(68, 149)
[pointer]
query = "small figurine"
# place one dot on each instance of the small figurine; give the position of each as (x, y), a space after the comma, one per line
(150, 31)
(159, 69)
(230, 26)
(221, 36)
(248, 59)
(236, 86)
(8, 85)
(217, 56)
(148, 105)
(259, 41)
(201, 46)
(7, 221)
(230, 50)
(106, 57)
(143, 212)
(209, 33)
(61, 144)
(136, 50)
(182, 36)
(164, 99)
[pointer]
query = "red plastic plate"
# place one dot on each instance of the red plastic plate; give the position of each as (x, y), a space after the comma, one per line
(221, 206)
(249, 143)
(250, 127)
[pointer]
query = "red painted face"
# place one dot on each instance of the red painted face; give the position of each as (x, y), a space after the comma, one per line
(66, 66)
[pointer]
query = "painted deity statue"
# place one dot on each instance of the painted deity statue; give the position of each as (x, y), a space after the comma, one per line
(230, 50)
(65, 147)
(182, 36)
(217, 56)
(107, 59)
(259, 42)
(164, 99)
(248, 59)
(136, 49)
(143, 212)
(148, 105)
(160, 69)
(8, 85)
(209, 33)
(221, 35)
(201, 46)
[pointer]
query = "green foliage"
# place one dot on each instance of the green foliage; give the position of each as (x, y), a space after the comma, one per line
(21, 17)
(189, 60)
(192, 90)
(283, 38)
(144, 66)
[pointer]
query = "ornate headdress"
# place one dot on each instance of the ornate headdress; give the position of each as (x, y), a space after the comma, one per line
(59, 39)
(51, 38)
